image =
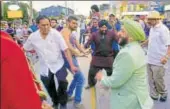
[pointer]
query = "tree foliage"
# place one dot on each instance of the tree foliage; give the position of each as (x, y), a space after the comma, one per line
(35, 14)
(24, 7)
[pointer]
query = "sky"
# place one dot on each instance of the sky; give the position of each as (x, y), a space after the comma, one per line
(80, 7)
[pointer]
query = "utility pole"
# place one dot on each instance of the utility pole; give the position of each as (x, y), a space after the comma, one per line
(2, 9)
(66, 6)
(31, 12)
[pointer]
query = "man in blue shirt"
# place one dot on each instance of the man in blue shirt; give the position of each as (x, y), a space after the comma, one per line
(34, 27)
(94, 28)
(114, 24)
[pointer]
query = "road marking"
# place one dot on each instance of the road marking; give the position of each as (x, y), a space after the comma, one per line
(93, 98)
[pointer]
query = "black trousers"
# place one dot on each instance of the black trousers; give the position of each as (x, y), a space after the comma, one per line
(58, 96)
(115, 53)
(93, 71)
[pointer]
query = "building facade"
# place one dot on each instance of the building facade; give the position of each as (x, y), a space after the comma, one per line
(104, 10)
(55, 11)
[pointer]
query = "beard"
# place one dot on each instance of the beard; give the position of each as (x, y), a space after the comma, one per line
(54, 27)
(73, 29)
(103, 32)
(123, 41)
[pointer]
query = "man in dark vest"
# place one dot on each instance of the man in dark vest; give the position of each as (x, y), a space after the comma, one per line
(103, 53)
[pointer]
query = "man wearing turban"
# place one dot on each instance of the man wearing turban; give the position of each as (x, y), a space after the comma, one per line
(103, 53)
(128, 81)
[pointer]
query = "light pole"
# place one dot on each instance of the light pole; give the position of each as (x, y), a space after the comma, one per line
(2, 9)
(31, 12)
(66, 8)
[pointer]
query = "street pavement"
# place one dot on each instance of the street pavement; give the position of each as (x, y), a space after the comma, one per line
(89, 100)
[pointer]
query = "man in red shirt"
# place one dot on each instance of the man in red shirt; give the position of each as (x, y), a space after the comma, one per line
(17, 87)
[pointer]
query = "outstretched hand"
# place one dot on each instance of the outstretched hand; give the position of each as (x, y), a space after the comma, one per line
(83, 55)
(87, 51)
(99, 76)
(45, 105)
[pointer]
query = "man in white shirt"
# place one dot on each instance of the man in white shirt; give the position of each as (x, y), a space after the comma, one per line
(158, 55)
(49, 44)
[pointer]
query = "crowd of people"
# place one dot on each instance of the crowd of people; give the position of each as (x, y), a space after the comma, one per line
(115, 46)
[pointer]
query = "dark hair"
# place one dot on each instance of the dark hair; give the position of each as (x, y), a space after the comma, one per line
(95, 7)
(40, 18)
(33, 20)
(54, 19)
(9, 24)
(29, 32)
(111, 15)
(70, 18)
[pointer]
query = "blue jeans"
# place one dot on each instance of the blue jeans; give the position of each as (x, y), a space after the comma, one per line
(77, 82)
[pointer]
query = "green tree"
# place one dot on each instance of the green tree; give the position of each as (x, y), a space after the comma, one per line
(61, 15)
(35, 14)
(24, 7)
(5, 9)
